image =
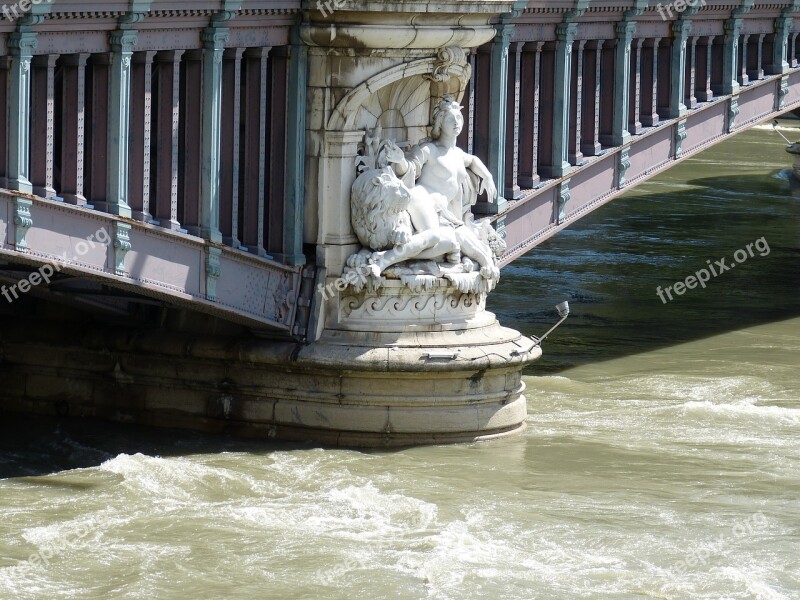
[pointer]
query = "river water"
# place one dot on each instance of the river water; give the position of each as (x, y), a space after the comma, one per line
(661, 460)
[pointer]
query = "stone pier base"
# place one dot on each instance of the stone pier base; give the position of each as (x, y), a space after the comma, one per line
(349, 388)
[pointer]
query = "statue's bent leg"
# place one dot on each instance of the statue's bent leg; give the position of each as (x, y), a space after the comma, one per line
(474, 248)
(424, 246)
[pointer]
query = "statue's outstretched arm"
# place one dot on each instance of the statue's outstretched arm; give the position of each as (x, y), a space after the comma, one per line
(402, 163)
(476, 165)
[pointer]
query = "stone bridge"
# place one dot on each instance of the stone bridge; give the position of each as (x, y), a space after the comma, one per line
(175, 182)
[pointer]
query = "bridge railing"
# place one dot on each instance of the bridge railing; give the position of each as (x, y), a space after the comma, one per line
(579, 80)
(176, 118)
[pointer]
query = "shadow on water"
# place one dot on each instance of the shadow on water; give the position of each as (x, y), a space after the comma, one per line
(609, 264)
(32, 447)
(35, 446)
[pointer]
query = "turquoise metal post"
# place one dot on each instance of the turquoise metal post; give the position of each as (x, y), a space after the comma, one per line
(214, 39)
(21, 45)
(677, 78)
(780, 49)
(565, 35)
(296, 152)
(730, 57)
(622, 83)
(730, 50)
(122, 42)
(779, 64)
(119, 109)
(497, 115)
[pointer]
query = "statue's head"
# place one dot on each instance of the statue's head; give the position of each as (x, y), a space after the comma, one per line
(447, 117)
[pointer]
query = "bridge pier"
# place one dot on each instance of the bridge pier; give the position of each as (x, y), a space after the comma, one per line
(332, 392)
(412, 354)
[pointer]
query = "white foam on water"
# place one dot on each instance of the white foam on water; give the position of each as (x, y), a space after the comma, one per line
(170, 479)
(745, 408)
(768, 127)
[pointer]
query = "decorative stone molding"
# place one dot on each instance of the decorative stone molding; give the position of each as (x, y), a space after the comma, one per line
(228, 12)
(408, 25)
(450, 75)
(446, 59)
(397, 308)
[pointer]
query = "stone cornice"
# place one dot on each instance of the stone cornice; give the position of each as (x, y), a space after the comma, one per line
(493, 7)
(402, 25)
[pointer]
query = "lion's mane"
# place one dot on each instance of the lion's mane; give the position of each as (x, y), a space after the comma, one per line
(378, 203)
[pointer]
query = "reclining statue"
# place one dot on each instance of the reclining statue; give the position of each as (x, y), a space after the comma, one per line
(417, 206)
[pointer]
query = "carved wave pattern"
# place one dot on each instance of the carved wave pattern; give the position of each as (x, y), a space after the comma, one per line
(412, 308)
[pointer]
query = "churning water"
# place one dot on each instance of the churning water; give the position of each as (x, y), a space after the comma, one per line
(661, 460)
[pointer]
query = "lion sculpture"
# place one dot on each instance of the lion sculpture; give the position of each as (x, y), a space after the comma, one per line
(378, 204)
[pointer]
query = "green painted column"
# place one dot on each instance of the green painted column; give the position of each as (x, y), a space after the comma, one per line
(497, 115)
(779, 64)
(730, 49)
(622, 83)
(730, 57)
(20, 46)
(296, 153)
(214, 39)
(562, 77)
(119, 108)
(680, 31)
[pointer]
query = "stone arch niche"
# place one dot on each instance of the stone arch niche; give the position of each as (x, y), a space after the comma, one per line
(408, 92)
(400, 99)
